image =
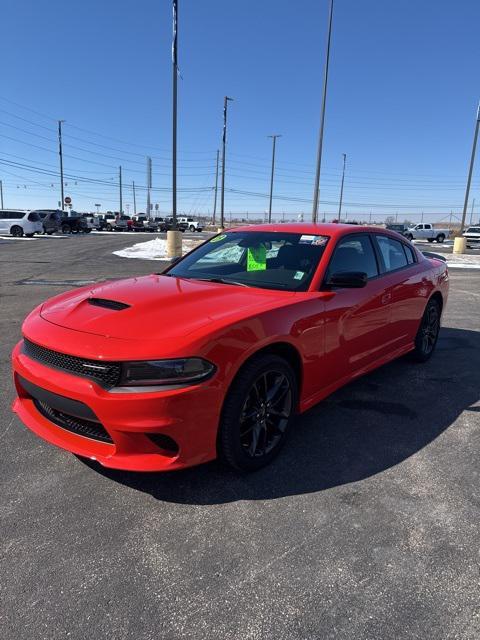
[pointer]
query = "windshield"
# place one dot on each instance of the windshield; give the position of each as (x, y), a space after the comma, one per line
(265, 259)
(473, 230)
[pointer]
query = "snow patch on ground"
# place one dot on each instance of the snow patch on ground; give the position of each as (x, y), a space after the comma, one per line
(153, 249)
(463, 261)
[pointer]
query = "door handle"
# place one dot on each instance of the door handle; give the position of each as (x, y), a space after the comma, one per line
(386, 298)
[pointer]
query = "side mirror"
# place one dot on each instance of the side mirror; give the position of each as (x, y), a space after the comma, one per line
(348, 279)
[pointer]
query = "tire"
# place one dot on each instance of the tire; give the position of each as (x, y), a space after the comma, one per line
(243, 407)
(441, 237)
(109, 227)
(16, 231)
(427, 334)
(192, 228)
(66, 228)
(409, 237)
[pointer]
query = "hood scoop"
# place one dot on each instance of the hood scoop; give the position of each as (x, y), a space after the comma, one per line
(114, 305)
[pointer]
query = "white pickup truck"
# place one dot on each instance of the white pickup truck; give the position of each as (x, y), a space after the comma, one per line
(426, 232)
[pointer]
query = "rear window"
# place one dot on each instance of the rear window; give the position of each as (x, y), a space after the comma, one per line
(33, 216)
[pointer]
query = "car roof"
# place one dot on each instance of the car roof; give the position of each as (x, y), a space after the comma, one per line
(322, 229)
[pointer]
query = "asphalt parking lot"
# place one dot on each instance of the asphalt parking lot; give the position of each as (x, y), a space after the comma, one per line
(366, 527)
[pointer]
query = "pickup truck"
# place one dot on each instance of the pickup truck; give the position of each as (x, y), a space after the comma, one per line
(426, 232)
(472, 234)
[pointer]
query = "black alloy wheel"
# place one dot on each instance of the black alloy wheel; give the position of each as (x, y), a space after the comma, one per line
(428, 332)
(257, 413)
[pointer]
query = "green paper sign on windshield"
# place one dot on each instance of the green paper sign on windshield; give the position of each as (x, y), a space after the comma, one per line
(257, 258)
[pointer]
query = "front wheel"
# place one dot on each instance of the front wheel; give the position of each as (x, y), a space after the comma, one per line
(257, 413)
(440, 237)
(427, 334)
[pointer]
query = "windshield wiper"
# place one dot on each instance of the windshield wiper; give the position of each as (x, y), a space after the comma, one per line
(221, 281)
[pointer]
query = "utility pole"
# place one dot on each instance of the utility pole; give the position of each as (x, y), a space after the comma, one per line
(174, 114)
(341, 188)
(1, 194)
(470, 171)
(224, 141)
(471, 212)
(149, 184)
(274, 138)
(216, 191)
(316, 193)
(60, 153)
(134, 199)
(120, 185)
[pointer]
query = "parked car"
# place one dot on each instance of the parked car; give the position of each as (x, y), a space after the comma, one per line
(399, 228)
(51, 220)
(92, 221)
(472, 234)
(190, 224)
(18, 223)
(244, 332)
(426, 232)
(106, 221)
(121, 223)
(142, 223)
(74, 223)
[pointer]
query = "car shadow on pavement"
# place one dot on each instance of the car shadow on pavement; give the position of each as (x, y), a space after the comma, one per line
(365, 428)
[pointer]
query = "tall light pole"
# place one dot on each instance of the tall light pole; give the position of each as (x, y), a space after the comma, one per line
(471, 212)
(1, 194)
(224, 142)
(216, 191)
(174, 114)
(60, 153)
(274, 138)
(149, 184)
(134, 199)
(470, 171)
(316, 193)
(341, 188)
(120, 187)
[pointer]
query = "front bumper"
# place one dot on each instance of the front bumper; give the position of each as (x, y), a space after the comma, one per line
(189, 416)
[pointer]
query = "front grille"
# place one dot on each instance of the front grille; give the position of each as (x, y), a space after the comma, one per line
(80, 426)
(105, 373)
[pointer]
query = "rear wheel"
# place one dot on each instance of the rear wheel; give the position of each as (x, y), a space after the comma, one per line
(109, 227)
(192, 228)
(440, 237)
(16, 231)
(427, 335)
(257, 413)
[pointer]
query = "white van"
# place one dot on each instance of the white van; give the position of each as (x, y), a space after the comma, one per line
(18, 223)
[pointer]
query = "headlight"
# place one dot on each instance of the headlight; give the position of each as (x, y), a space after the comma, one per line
(152, 372)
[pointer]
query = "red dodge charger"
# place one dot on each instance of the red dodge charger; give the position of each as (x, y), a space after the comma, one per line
(215, 356)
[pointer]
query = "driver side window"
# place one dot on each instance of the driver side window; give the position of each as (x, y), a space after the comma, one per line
(354, 253)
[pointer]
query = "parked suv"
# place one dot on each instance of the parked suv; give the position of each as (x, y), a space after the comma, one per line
(190, 224)
(472, 234)
(74, 223)
(51, 220)
(17, 223)
(121, 223)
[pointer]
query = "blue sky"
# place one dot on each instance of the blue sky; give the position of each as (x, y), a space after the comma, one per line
(403, 94)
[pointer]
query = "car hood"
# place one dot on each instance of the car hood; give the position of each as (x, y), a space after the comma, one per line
(153, 306)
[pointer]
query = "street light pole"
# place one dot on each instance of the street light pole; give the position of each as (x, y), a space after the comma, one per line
(341, 188)
(134, 199)
(471, 212)
(216, 191)
(60, 153)
(120, 185)
(470, 171)
(174, 114)
(149, 185)
(316, 193)
(274, 138)
(224, 141)
(1, 194)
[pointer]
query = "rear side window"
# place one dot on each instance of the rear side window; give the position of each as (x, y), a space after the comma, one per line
(33, 216)
(409, 253)
(354, 253)
(11, 215)
(393, 255)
